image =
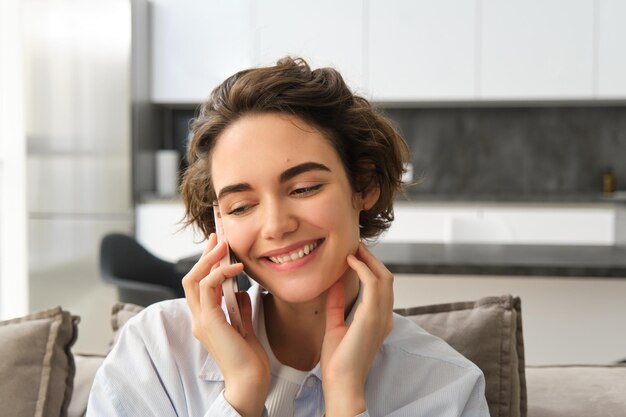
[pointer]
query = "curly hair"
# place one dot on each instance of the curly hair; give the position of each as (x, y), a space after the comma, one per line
(372, 151)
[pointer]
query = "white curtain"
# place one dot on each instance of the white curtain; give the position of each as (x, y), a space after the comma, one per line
(13, 240)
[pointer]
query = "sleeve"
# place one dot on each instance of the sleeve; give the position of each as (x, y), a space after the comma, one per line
(475, 402)
(129, 383)
(140, 378)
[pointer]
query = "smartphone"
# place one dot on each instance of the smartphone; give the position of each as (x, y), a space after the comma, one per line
(230, 287)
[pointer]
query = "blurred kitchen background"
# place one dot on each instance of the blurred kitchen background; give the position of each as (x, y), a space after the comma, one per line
(515, 112)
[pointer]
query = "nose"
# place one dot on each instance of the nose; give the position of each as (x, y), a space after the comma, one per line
(277, 220)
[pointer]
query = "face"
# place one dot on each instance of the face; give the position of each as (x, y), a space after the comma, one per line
(287, 207)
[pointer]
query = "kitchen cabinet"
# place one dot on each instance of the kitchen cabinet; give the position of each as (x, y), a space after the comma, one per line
(402, 51)
(504, 223)
(422, 50)
(536, 49)
(196, 45)
(326, 33)
(158, 229)
(611, 49)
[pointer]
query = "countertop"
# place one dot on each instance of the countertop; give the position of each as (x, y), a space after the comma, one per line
(413, 195)
(489, 259)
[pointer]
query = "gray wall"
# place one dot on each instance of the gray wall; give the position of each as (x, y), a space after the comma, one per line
(515, 153)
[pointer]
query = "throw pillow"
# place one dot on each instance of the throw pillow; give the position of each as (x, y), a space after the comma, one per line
(37, 367)
(120, 314)
(489, 333)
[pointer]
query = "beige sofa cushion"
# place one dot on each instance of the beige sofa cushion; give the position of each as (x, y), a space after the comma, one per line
(120, 314)
(489, 333)
(86, 368)
(37, 367)
(576, 390)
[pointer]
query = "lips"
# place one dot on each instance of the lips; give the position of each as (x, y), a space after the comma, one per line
(292, 254)
(295, 254)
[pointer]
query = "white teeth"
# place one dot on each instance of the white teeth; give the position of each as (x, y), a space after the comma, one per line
(300, 253)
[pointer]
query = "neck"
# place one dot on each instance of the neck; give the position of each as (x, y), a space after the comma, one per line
(296, 331)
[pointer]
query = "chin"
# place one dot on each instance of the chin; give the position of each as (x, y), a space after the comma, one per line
(295, 290)
(295, 294)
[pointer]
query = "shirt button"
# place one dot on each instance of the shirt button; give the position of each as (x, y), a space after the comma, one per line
(310, 382)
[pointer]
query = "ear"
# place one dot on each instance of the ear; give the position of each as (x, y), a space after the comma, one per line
(370, 196)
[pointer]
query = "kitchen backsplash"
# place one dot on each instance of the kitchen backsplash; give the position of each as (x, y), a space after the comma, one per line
(505, 152)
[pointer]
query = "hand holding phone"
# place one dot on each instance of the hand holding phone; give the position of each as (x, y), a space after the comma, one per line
(230, 287)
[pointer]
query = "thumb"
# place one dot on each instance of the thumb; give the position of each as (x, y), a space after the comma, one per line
(335, 306)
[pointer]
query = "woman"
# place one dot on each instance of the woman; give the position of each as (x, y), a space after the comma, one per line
(302, 171)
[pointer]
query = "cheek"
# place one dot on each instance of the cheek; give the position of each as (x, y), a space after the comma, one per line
(240, 236)
(337, 216)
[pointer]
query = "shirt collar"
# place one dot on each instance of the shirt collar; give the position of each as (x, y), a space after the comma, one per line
(211, 372)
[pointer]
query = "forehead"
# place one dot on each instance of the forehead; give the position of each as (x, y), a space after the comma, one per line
(267, 144)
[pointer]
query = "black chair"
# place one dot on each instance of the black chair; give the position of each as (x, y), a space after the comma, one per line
(141, 278)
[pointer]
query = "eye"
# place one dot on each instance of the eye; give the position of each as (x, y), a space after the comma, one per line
(303, 191)
(240, 210)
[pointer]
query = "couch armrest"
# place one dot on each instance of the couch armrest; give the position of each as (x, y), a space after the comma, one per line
(576, 390)
(86, 367)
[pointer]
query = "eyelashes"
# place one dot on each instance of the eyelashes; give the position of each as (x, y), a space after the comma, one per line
(307, 190)
(299, 192)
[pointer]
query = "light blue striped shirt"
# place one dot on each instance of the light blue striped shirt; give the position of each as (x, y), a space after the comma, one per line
(158, 368)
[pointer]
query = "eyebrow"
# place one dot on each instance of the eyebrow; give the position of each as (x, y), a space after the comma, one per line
(284, 176)
(301, 168)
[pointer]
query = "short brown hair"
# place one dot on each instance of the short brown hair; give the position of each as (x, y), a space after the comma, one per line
(370, 148)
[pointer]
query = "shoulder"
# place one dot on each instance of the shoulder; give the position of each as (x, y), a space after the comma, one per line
(164, 312)
(420, 371)
(165, 317)
(415, 342)
(409, 348)
(161, 332)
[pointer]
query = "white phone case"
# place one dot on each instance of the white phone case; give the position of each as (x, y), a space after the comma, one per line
(230, 286)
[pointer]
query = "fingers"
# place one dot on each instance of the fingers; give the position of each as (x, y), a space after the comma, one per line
(378, 268)
(377, 288)
(205, 265)
(211, 255)
(374, 276)
(211, 285)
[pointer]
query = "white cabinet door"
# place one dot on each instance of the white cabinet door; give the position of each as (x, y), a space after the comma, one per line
(536, 49)
(159, 229)
(422, 50)
(196, 45)
(523, 224)
(555, 225)
(611, 43)
(325, 32)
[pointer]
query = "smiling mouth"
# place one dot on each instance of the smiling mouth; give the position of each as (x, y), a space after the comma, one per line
(296, 254)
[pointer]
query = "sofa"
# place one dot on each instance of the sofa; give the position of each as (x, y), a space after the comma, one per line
(41, 376)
